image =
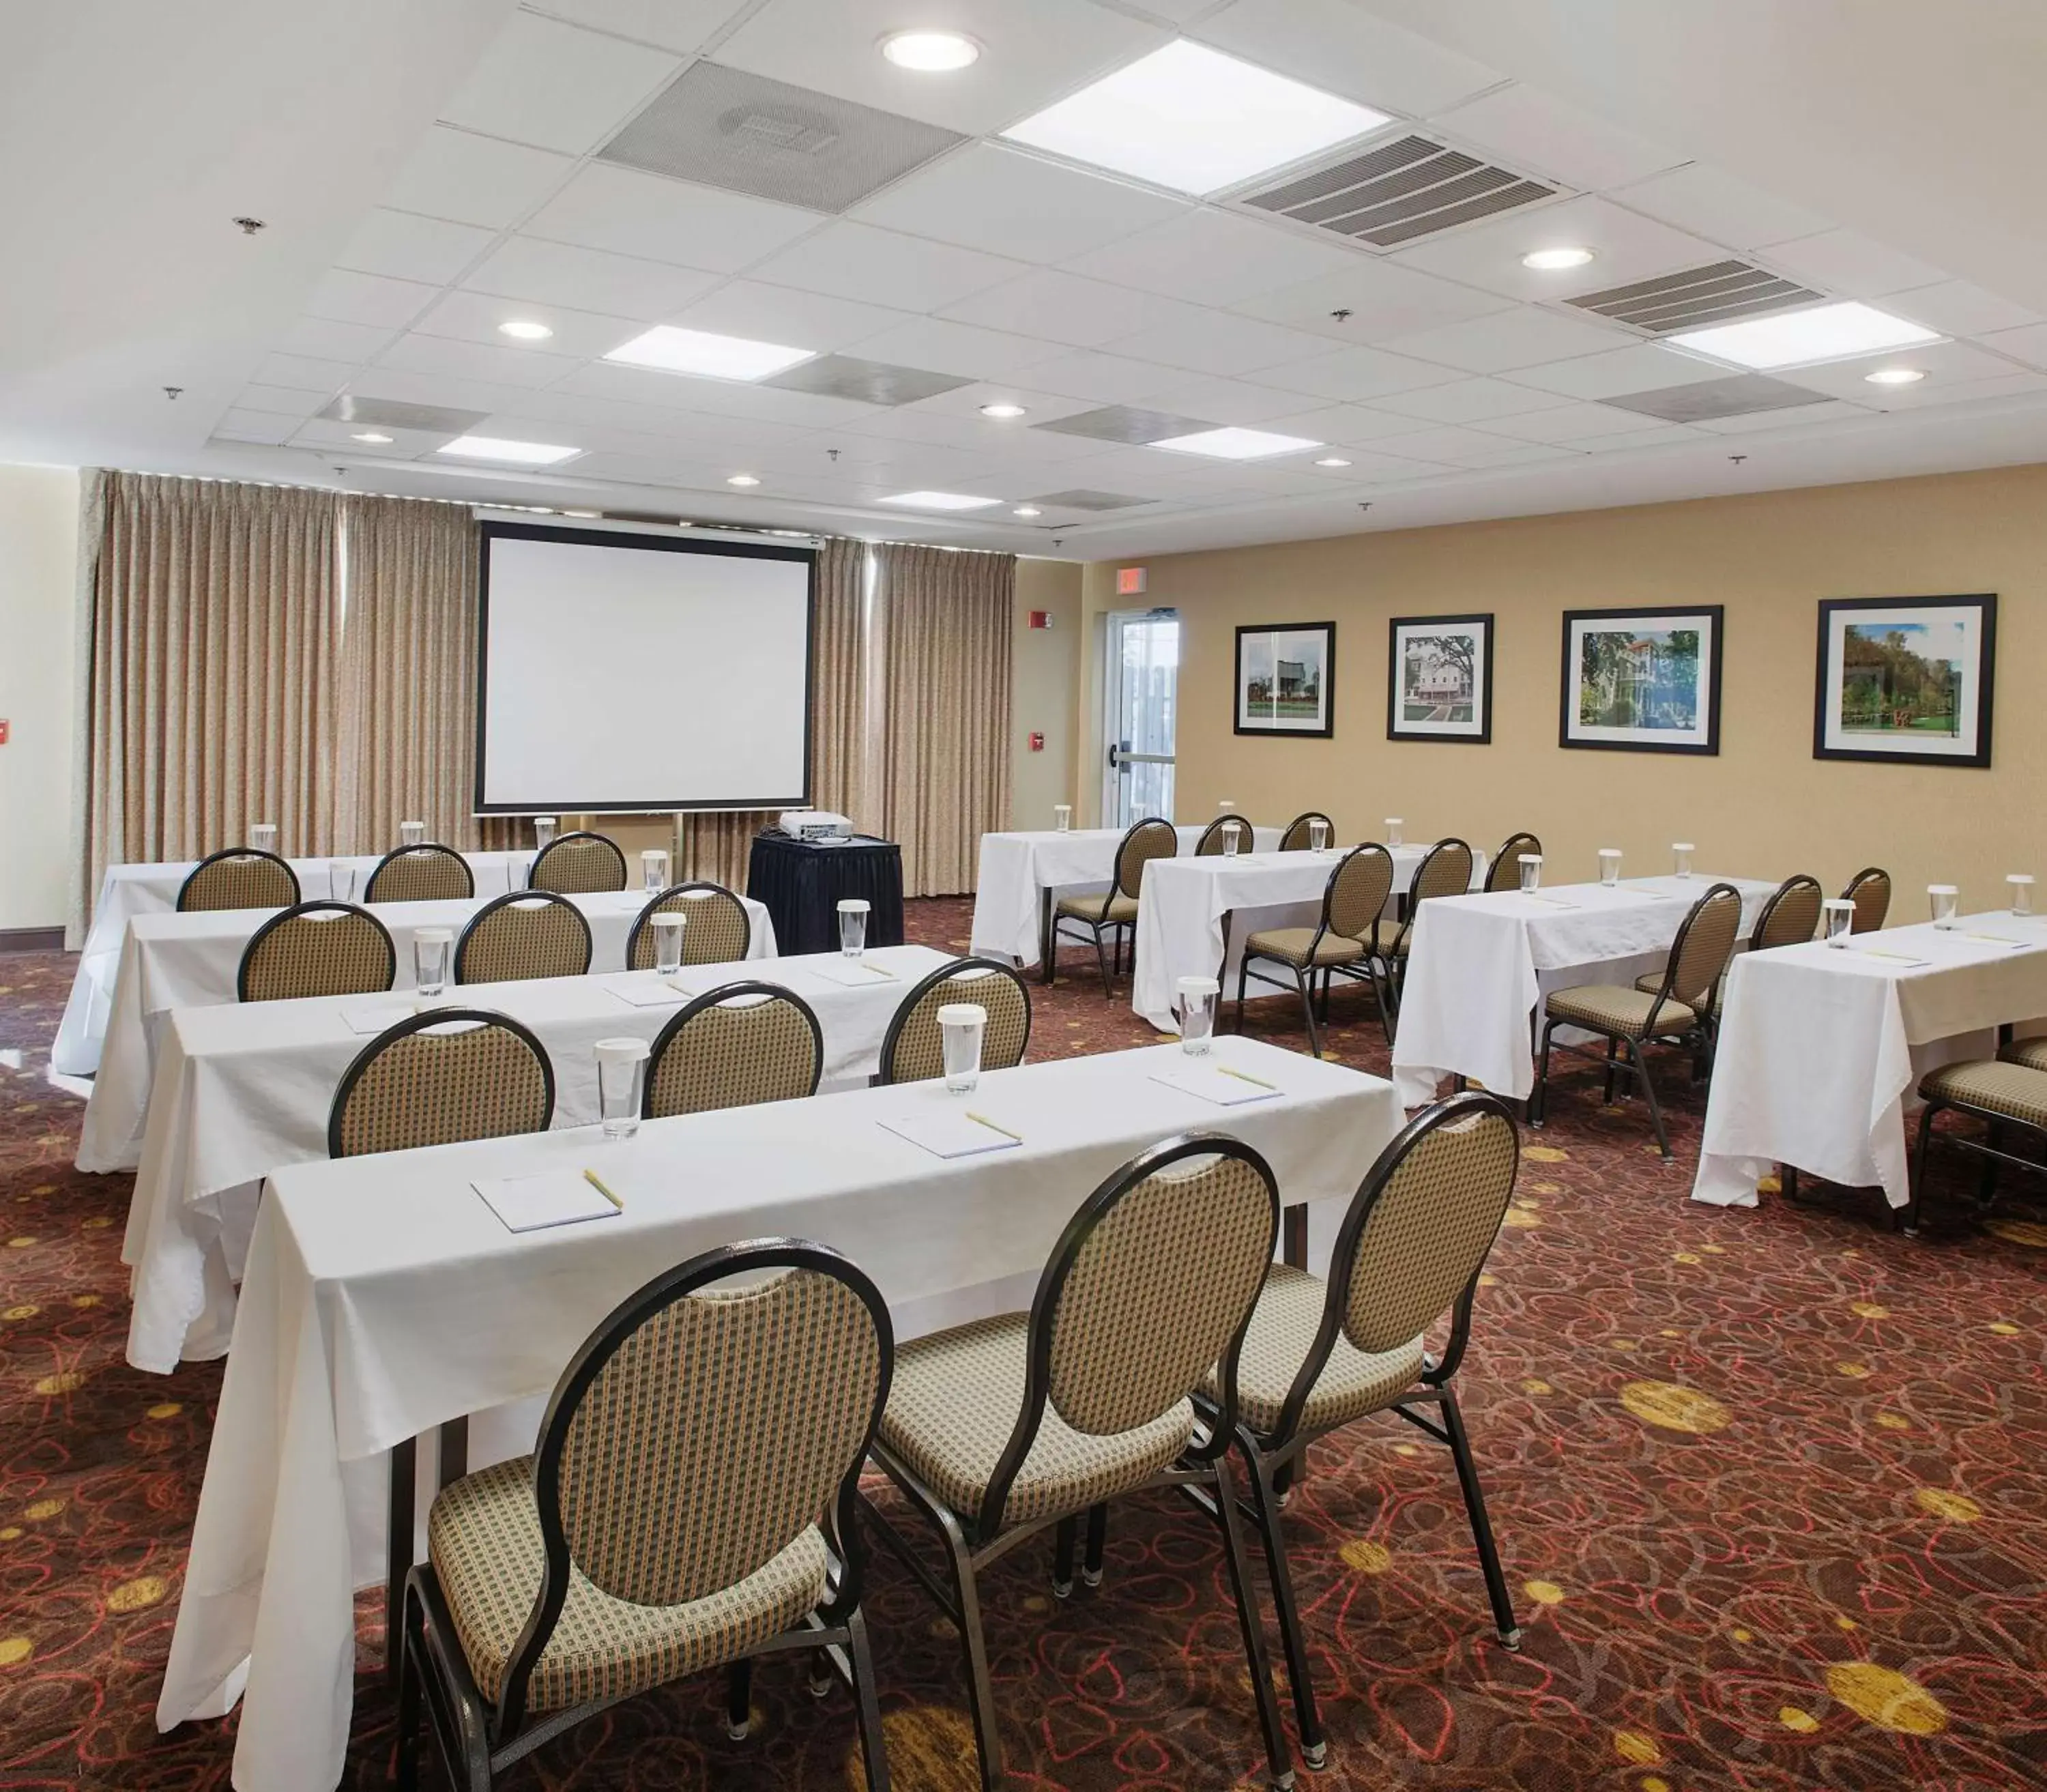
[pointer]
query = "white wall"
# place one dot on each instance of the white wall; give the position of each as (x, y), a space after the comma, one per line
(38, 562)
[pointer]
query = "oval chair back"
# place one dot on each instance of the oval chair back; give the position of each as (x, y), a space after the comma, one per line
(1446, 869)
(1790, 916)
(1354, 897)
(716, 930)
(426, 872)
(1297, 839)
(1699, 954)
(1145, 841)
(238, 877)
(731, 1047)
(1504, 872)
(911, 1051)
(1211, 841)
(1870, 891)
(526, 934)
(578, 864)
(317, 948)
(439, 1078)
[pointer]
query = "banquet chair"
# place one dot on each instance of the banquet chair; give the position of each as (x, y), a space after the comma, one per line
(1504, 872)
(910, 1049)
(1211, 841)
(1630, 1019)
(317, 948)
(732, 1047)
(1870, 891)
(1445, 870)
(238, 877)
(1321, 1356)
(997, 1430)
(690, 1506)
(2009, 1090)
(1353, 901)
(1114, 913)
(716, 930)
(578, 864)
(525, 933)
(422, 873)
(1789, 915)
(1296, 837)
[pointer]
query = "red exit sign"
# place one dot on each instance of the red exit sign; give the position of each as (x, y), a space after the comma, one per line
(1130, 582)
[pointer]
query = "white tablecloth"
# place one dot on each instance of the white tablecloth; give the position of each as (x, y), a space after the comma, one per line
(1821, 1047)
(190, 961)
(383, 1298)
(244, 1090)
(1182, 901)
(1478, 965)
(1017, 869)
(129, 890)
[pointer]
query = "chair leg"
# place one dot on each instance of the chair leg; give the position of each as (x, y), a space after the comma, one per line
(1098, 1537)
(1101, 958)
(1065, 1535)
(1265, 1504)
(407, 1775)
(1243, 971)
(1613, 1046)
(1636, 1052)
(398, 1550)
(1489, 1552)
(1986, 1177)
(1908, 1219)
(1382, 992)
(1538, 1102)
(1302, 980)
(973, 1645)
(739, 1698)
(873, 1751)
(1279, 1759)
(1325, 998)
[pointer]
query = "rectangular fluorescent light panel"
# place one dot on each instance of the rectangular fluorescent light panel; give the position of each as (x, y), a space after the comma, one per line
(940, 500)
(708, 356)
(1193, 119)
(1801, 337)
(519, 454)
(1236, 444)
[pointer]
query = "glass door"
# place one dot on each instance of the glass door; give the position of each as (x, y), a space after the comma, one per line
(1143, 664)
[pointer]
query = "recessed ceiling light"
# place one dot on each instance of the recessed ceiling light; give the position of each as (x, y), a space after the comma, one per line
(1193, 119)
(1236, 444)
(931, 52)
(1002, 410)
(1550, 260)
(742, 479)
(370, 435)
(940, 500)
(1896, 376)
(1027, 510)
(492, 447)
(525, 329)
(1332, 460)
(1837, 332)
(709, 356)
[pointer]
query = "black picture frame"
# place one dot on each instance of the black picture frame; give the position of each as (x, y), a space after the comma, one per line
(1398, 728)
(1573, 732)
(1276, 729)
(1975, 700)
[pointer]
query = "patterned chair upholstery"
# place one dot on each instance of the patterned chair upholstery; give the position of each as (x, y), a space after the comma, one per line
(577, 864)
(238, 877)
(694, 1477)
(716, 930)
(2010, 1089)
(439, 1078)
(1210, 845)
(1445, 870)
(317, 948)
(733, 1047)
(1504, 872)
(424, 873)
(1353, 901)
(1870, 891)
(1114, 911)
(1296, 837)
(1788, 918)
(912, 1050)
(2031, 1053)
(527, 934)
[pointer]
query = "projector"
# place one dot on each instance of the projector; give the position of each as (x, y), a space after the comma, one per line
(814, 824)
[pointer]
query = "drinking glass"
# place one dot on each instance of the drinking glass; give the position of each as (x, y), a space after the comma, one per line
(1318, 836)
(340, 880)
(2020, 884)
(1393, 824)
(412, 834)
(543, 832)
(668, 943)
(1945, 898)
(1225, 806)
(622, 1071)
(1196, 1009)
(1609, 858)
(1531, 871)
(654, 870)
(1839, 918)
(430, 959)
(853, 925)
(961, 1025)
(1063, 818)
(1232, 840)
(263, 836)
(1681, 858)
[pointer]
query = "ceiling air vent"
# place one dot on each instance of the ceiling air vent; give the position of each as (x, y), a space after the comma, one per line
(1398, 193)
(1717, 293)
(1083, 499)
(866, 382)
(1125, 423)
(1739, 395)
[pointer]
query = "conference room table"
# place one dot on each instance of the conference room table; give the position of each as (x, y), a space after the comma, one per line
(189, 960)
(1821, 1047)
(1193, 914)
(1023, 873)
(1479, 967)
(126, 890)
(383, 1298)
(243, 1089)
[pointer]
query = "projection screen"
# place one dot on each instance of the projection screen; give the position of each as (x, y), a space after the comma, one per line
(617, 672)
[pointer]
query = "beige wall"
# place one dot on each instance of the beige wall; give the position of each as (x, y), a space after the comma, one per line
(1763, 807)
(1047, 680)
(38, 574)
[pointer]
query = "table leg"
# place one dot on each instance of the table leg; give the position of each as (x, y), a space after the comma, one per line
(1294, 1236)
(1222, 970)
(1048, 944)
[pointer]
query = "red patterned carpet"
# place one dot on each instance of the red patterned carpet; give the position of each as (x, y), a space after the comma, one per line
(1771, 1489)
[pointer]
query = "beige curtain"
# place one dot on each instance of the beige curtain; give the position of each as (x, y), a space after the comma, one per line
(215, 637)
(943, 632)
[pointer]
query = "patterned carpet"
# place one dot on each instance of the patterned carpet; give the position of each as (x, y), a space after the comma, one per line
(1769, 1488)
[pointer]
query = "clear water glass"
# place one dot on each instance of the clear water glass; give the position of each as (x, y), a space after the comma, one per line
(263, 836)
(1393, 824)
(853, 925)
(1840, 919)
(1531, 871)
(1944, 899)
(340, 880)
(1063, 818)
(1226, 806)
(1196, 1011)
(430, 949)
(2020, 884)
(1609, 860)
(412, 834)
(961, 1026)
(654, 870)
(1232, 840)
(544, 827)
(1318, 837)
(668, 943)
(621, 1073)
(1680, 859)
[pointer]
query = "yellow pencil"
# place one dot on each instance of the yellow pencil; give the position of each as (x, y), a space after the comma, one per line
(596, 1183)
(982, 1119)
(1244, 1076)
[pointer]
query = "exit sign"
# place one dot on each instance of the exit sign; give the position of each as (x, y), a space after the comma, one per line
(1130, 582)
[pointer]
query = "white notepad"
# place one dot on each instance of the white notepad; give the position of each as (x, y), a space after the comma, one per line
(1547, 901)
(650, 992)
(950, 1134)
(1903, 961)
(553, 1198)
(1212, 1084)
(855, 974)
(373, 1017)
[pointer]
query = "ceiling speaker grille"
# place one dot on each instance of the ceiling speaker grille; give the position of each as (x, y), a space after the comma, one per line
(1719, 292)
(1398, 193)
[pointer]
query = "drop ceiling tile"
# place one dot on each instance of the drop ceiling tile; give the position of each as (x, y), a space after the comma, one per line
(1854, 266)
(1378, 299)
(1343, 49)
(1064, 308)
(1626, 247)
(1222, 402)
(439, 391)
(1526, 337)
(644, 385)
(1370, 466)
(2015, 384)
(330, 341)
(1462, 447)
(1212, 258)
(610, 418)
(1217, 341)
(473, 180)
(1701, 199)
(780, 314)
(1347, 373)
(263, 427)
(402, 247)
(1039, 406)
(1010, 203)
(1662, 436)
(1344, 425)
(2028, 345)
(416, 354)
(956, 348)
(473, 317)
(354, 298)
(629, 213)
(1545, 137)
(884, 267)
(683, 25)
(865, 381)
(556, 87)
(1955, 309)
(1470, 401)
(288, 402)
(590, 279)
(1644, 367)
(1567, 423)
(1945, 364)
(304, 374)
(1004, 444)
(1804, 416)
(405, 444)
(1107, 379)
(642, 469)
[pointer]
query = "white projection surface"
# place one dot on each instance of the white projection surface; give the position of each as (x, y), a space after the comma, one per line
(626, 672)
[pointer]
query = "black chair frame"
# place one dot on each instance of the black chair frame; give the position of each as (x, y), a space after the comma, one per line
(645, 918)
(726, 992)
(320, 906)
(400, 853)
(1509, 852)
(1247, 835)
(1369, 968)
(1102, 925)
(945, 974)
(575, 838)
(212, 859)
(515, 898)
(420, 1024)
(1991, 1150)
(1869, 874)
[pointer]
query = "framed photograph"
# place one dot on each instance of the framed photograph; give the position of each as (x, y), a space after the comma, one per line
(1905, 678)
(1285, 678)
(1642, 680)
(1439, 679)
